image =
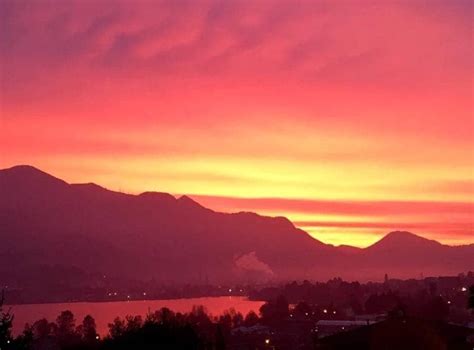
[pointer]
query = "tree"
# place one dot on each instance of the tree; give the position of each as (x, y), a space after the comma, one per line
(275, 311)
(230, 319)
(6, 322)
(117, 328)
(42, 329)
(471, 297)
(25, 340)
(134, 323)
(251, 319)
(40, 335)
(66, 330)
(164, 316)
(88, 330)
(220, 339)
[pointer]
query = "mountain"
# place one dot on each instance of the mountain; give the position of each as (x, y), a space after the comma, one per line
(413, 255)
(46, 222)
(397, 240)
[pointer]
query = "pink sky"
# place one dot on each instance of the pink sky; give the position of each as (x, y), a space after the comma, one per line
(352, 118)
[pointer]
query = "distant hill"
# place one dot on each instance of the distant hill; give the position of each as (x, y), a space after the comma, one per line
(47, 222)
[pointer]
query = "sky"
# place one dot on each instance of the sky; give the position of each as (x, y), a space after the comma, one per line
(351, 118)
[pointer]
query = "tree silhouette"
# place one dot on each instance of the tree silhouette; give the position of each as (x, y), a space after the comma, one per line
(40, 335)
(160, 330)
(275, 311)
(134, 323)
(471, 297)
(230, 319)
(117, 328)
(88, 330)
(163, 315)
(6, 322)
(43, 329)
(251, 319)
(24, 340)
(220, 339)
(66, 330)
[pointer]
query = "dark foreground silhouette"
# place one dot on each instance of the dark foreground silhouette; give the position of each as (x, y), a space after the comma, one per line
(402, 333)
(279, 326)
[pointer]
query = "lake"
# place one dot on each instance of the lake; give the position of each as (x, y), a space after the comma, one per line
(105, 312)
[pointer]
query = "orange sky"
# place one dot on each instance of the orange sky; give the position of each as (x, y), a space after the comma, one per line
(352, 118)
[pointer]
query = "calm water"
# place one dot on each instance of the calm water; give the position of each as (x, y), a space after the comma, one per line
(105, 312)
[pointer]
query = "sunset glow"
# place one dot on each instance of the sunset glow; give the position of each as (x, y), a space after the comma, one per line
(350, 118)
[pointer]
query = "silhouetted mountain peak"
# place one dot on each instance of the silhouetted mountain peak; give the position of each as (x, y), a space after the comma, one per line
(157, 195)
(186, 199)
(157, 200)
(402, 239)
(188, 202)
(27, 175)
(21, 167)
(284, 221)
(27, 170)
(403, 236)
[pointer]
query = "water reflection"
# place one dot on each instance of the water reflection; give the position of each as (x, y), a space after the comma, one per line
(105, 312)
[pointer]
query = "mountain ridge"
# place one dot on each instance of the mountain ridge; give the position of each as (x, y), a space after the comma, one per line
(390, 236)
(156, 235)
